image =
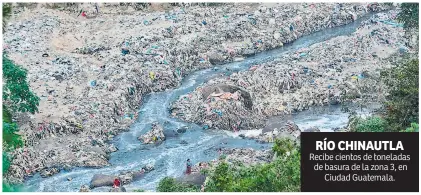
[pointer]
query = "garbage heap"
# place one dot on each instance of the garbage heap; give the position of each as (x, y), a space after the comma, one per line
(91, 70)
(325, 73)
(289, 129)
(246, 156)
(84, 188)
(155, 135)
(129, 176)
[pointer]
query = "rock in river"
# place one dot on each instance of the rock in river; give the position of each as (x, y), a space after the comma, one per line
(101, 180)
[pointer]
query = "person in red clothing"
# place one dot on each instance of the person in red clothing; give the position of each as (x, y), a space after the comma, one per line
(83, 14)
(116, 183)
(188, 170)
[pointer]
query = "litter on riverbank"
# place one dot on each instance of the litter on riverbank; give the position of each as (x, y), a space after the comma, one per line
(326, 73)
(96, 67)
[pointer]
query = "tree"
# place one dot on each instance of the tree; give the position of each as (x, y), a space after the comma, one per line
(402, 101)
(7, 11)
(6, 163)
(16, 91)
(10, 137)
(409, 15)
(17, 97)
(371, 124)
(169, 184)
(413, 128)
(280, 175)
(282, 146)
(7, 187)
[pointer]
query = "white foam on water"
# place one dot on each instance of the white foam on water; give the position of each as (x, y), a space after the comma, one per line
(324, 122)
(247, 133)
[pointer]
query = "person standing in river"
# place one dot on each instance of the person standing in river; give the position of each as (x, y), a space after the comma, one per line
(116, 183)
(188, 170)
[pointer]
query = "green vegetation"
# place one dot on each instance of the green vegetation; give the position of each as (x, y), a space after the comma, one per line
(12, 139)
(282, 146)
(409, 15)
(280, 175)
(6, 162)
(414, 128)
(7, 11)
(16, 91)
(370, 124)
(17, 97)
(139, 190)
(402, 102)
(10, 188)
(6, 165)
(169, 184)
(401, 106)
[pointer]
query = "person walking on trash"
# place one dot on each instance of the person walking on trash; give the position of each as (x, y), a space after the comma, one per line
(188, 170)
(116, 183)
(96, 8)
(80, 12)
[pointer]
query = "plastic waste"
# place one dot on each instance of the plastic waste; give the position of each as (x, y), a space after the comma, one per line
(93, 83)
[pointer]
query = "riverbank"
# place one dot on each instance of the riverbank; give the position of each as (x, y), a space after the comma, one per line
(76, 66)
(344, 68)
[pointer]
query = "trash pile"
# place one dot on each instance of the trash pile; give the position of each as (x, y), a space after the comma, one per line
(96, 65)
(49, 172)
(129, 176)
(290, 130)
(246, 156)
(155, 135)
(325, 73)
(218, 100)
(84, 188)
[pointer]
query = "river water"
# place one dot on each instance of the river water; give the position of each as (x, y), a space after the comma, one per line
(170, 156)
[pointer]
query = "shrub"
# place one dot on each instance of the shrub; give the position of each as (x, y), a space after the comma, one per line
(414, 128)
(281, 175)
(169, 184)
(282, 146)
(11, 139)
(402, 101)
(16, 91)
(409, 15)
(371, 124)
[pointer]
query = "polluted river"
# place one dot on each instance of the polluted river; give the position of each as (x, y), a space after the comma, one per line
(196, 144)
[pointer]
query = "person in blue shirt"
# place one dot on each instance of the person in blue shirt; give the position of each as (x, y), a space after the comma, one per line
(188, 170)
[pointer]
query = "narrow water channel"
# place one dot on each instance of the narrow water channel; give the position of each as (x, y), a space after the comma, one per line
(199, 145)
